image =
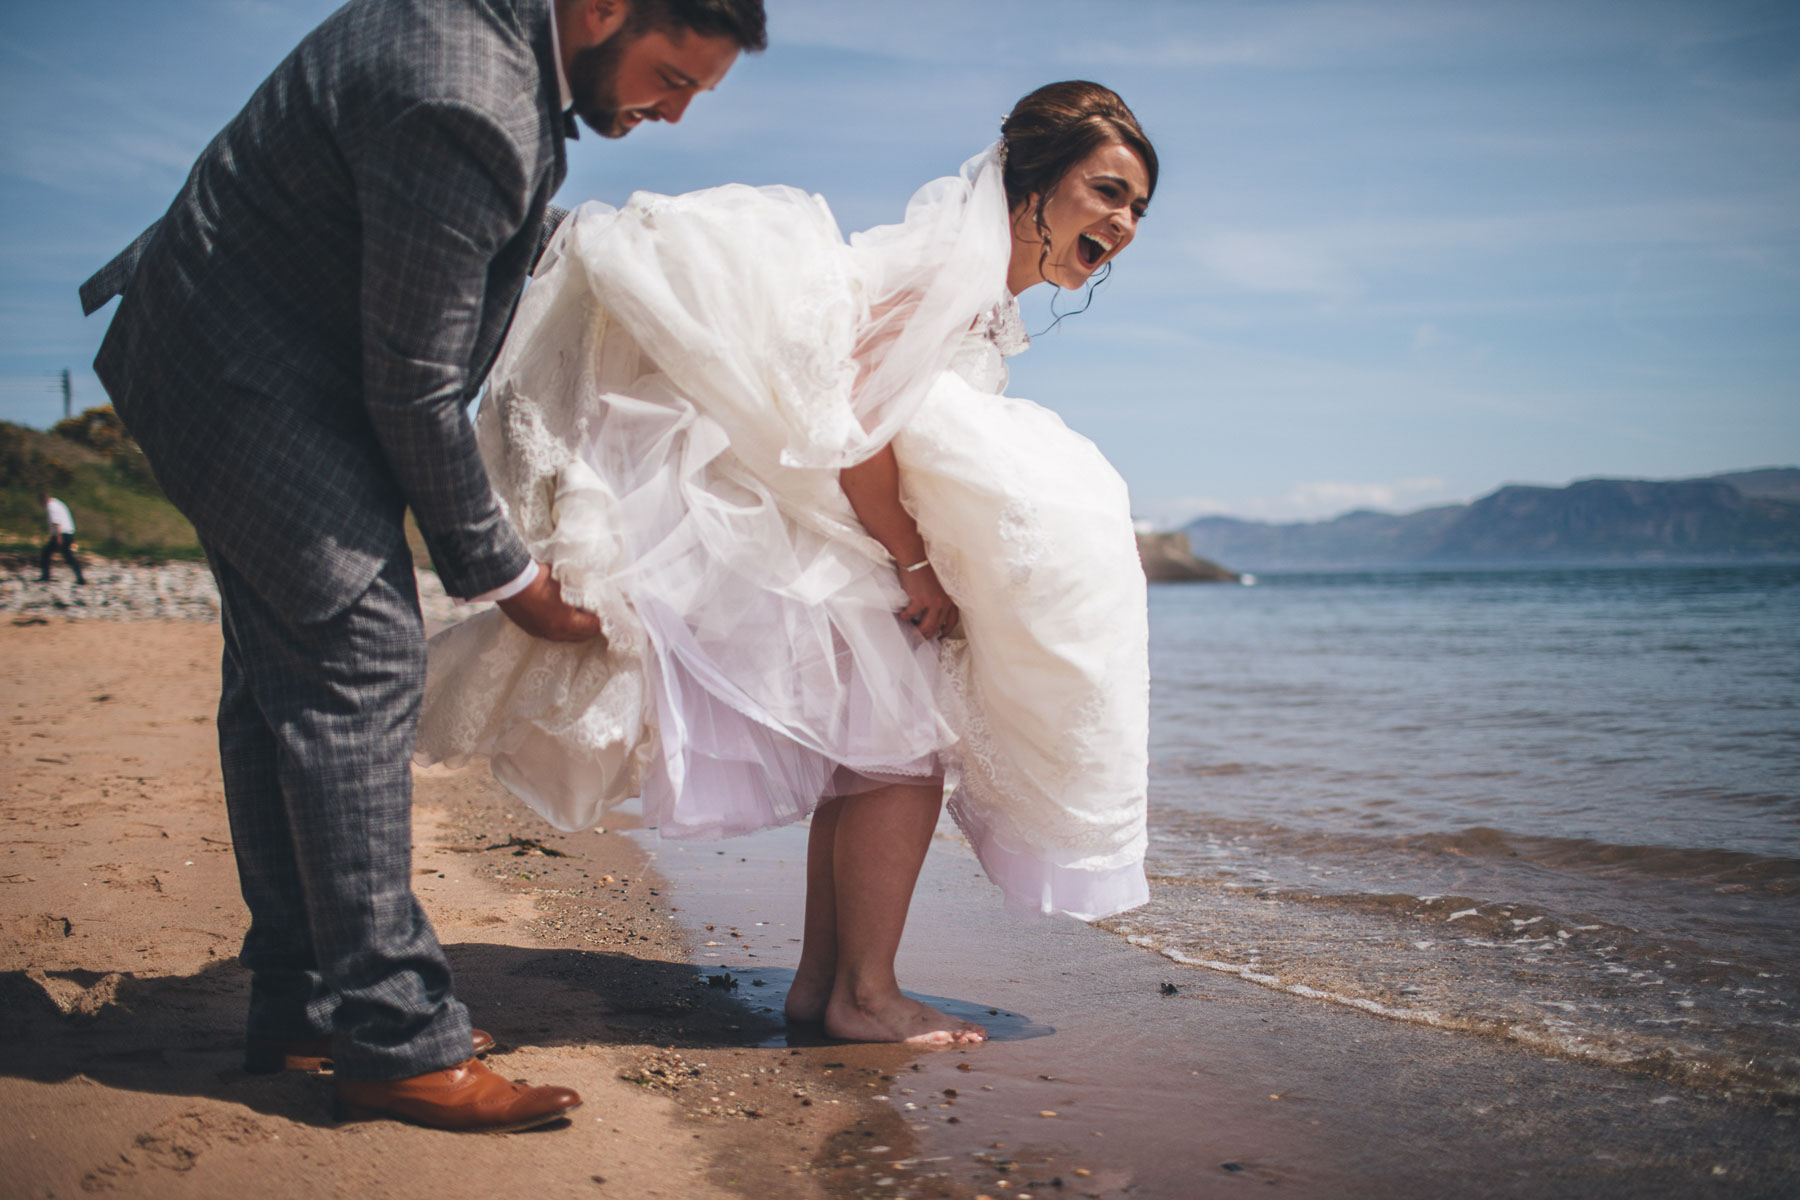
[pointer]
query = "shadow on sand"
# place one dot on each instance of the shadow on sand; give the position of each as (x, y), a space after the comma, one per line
(182, 1035)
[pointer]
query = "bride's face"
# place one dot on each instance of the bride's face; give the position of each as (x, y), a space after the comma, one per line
(1091, 216)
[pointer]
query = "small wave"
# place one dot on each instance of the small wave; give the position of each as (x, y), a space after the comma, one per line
(1767, 1086)
(1774, 875)
(1692, 1013)
(1422, 1016)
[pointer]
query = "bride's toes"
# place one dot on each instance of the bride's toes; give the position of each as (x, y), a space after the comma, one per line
(899, 1019)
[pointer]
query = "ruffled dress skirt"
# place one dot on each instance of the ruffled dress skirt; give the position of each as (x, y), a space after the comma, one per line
(665, 426)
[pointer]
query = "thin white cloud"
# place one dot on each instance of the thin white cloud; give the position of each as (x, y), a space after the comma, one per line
(1294, 35)
(1174, 511)
(269, 12)
(1693, 221)
(1336, 495)
(88, 147)
(1273, 262)
(1148, 33)
(1232, 51)
(1344, 259)
(1309, 501)
(96, 166)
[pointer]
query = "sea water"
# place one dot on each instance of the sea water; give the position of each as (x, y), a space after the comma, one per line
(1556, 805)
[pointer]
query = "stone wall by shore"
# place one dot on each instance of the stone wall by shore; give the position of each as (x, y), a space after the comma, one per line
(184, 591)
(173, 591)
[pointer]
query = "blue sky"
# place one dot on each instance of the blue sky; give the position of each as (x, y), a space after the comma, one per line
(1402, 252)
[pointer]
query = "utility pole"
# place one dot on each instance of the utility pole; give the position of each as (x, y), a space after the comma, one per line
(68, 395)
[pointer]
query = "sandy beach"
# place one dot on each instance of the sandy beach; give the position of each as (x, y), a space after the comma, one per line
(120, 919)
(649, 975)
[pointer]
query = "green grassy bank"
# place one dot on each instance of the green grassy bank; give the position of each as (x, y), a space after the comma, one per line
(90, 464)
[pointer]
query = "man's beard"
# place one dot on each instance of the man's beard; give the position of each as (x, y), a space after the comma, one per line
(593, 86)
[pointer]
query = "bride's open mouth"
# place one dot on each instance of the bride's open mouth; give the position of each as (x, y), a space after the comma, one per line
(1090, 250)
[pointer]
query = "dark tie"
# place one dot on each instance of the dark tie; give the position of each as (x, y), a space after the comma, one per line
(571, 130)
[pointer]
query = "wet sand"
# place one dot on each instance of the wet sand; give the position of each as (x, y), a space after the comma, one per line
(595, 967)
(1097, 1067)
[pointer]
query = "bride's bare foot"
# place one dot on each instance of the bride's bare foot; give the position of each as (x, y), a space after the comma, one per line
(896, 1018)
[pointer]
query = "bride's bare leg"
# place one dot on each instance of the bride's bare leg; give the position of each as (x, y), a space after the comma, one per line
(878, 843)
(811, 989)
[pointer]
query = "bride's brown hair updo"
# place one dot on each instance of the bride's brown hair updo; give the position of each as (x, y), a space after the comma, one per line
(1056, 127)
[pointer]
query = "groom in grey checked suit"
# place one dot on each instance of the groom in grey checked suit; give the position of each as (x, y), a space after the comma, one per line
(299, 339)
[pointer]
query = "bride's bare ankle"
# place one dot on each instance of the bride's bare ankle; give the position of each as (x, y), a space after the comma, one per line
(867, 996)
(803, 1005)
(810, 992)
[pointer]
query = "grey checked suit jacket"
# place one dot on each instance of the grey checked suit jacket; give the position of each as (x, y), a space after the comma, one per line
(302, 331)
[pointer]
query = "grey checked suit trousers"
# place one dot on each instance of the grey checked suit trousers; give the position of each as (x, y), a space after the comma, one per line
(299, 338)
(320, 797)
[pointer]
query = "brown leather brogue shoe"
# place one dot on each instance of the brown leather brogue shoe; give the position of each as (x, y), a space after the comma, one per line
(466, 1098)
(267, 1056)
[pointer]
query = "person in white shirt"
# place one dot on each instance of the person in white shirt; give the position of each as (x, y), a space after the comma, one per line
(62, 537)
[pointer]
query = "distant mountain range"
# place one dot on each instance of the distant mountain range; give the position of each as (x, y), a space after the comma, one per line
(1744, 516)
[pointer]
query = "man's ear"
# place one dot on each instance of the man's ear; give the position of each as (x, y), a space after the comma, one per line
(600, 19)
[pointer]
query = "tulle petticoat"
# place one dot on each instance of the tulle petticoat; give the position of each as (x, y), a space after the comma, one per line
(665, 426)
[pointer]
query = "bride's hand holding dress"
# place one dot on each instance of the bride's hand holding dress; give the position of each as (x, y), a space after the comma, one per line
(873, 488)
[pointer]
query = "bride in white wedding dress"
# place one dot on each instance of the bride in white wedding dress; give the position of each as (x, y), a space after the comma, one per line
(747, 444)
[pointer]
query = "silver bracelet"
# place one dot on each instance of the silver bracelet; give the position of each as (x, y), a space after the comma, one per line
(918, 566)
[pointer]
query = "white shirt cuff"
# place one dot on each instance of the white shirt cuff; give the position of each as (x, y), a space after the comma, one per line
(507, 591)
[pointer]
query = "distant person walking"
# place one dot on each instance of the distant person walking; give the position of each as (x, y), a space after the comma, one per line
(62, 537)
